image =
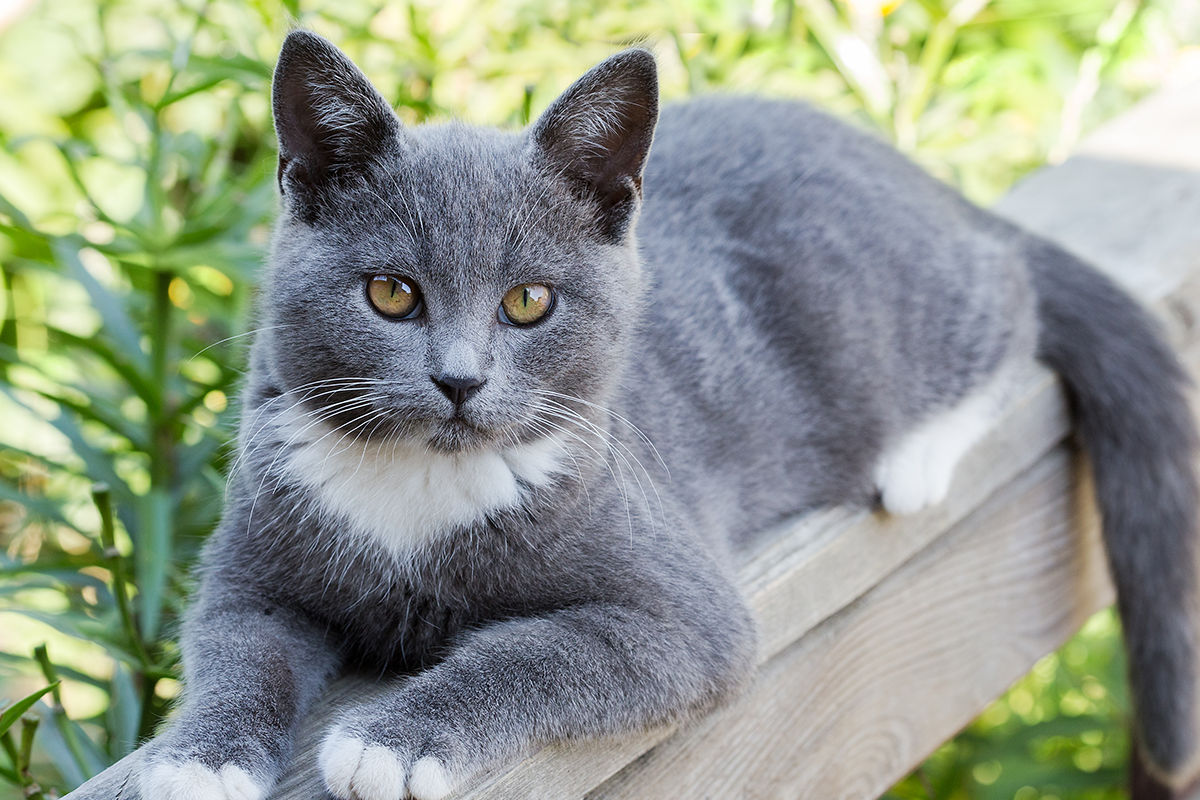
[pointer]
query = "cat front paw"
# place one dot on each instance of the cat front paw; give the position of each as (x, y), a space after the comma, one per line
(356, 769)
(191, 780)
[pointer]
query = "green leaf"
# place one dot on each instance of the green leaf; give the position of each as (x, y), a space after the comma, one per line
(120, 364)
(13, 713)
(105, 413)
(214, 78)
(8, 209)
(40, 506)
(153, 557)
(117, 322)
(124, 713)
(99, 464)
(199, 454)
(25, 662)
(27, 245)
(52, 743)
(79, 626)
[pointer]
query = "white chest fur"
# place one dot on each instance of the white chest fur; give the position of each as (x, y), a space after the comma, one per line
(401, 494)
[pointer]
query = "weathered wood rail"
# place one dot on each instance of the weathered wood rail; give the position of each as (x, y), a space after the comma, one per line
(881, 636)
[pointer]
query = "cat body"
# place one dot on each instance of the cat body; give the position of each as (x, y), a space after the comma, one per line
(539, 517)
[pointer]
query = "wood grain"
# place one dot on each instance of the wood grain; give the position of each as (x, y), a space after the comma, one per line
(872, 690)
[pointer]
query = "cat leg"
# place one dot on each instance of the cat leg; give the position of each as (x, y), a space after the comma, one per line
(916, 471)
(251, 671)
(578, 672)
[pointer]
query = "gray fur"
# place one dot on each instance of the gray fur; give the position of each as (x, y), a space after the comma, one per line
(790, 298)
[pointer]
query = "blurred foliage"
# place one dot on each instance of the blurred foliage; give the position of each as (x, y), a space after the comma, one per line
(136, 191)
(1060, 733)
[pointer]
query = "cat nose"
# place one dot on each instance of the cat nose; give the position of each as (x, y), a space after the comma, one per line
(458, 389)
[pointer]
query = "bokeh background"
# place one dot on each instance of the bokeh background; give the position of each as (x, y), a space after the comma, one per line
(136, 198)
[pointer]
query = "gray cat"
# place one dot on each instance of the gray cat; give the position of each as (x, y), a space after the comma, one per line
(518, 396)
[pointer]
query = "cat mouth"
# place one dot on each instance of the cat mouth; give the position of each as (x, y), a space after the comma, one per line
(458, 435)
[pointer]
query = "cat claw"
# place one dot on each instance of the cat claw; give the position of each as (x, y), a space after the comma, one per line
(355, 770)
(191, 780)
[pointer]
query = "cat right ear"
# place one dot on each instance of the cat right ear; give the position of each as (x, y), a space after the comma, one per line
(329, 119)
(597, 135)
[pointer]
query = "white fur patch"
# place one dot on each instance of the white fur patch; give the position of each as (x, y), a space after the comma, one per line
(339, 760)
(401, 494)
(915, 473)
(192, 780)
(354, 770)
(429, 780)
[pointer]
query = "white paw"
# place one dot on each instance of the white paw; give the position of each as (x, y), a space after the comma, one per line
(429, 780)
(355, 770)
(916, 472)
(915, 475)
(191, 780)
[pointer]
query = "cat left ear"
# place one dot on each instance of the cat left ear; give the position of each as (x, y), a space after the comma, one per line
(328, 117)
(597, 135)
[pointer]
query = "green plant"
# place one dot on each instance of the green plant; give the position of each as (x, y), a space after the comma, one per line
(137, 184)
(20, 755)
(116, 358)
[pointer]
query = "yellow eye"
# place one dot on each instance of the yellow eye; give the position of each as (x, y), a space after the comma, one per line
(526, 304)
(394, 296)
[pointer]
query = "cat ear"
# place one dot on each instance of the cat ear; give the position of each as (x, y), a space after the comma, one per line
(328, 117)
(597, 135)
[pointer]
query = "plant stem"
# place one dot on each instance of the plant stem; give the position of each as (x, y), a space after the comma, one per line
(157, 534)
(8, 320)
(29, 726)
(10, 747)
(160, 344)
(102, 497)
(918, 89)
(61, 720)
(852, 55)
(150, 711)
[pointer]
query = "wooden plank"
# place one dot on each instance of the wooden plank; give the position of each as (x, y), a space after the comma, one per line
(1127, 201)
(871, 691)
(816, 566)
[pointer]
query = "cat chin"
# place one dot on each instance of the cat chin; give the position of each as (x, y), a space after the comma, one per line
(456, 435)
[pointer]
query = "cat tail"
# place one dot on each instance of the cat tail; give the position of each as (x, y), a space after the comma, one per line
(1127, 391)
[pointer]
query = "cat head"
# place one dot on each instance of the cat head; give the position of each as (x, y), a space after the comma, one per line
(447, 283)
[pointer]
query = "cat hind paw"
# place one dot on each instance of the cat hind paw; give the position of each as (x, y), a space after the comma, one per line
(192, 780)
(355, 770)
(916, 472)
(914, 477)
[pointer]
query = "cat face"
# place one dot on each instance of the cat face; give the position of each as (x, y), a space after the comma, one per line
(446, 284)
